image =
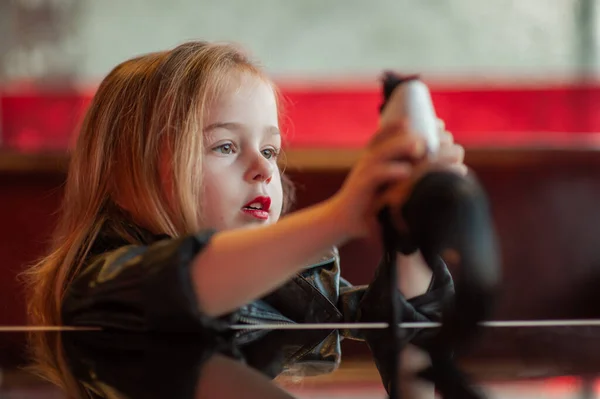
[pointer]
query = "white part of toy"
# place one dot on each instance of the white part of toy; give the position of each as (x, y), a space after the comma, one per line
(412, 100)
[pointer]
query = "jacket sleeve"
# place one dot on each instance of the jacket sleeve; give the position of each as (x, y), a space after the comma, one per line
(371, 303)
(141, 288)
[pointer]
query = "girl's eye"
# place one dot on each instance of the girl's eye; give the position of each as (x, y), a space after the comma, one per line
(225, 149)
(270, 153)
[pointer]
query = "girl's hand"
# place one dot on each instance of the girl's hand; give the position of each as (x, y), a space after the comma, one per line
(389, 158)
(450, 154)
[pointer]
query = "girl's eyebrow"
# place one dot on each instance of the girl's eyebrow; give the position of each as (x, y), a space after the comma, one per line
(274, 130)
(233, 126)
(223, 125)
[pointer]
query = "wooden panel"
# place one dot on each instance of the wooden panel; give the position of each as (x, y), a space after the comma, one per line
(28, 203)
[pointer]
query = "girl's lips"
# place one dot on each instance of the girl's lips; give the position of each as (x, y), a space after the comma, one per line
(256, 213)
(258, 208)
(262, 203)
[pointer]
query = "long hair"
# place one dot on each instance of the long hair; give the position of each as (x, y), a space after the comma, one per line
(144, 106)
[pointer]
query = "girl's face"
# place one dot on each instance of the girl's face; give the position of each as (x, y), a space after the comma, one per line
(242, 183)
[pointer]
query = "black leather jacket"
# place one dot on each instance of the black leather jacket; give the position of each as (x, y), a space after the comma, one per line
(146, 286)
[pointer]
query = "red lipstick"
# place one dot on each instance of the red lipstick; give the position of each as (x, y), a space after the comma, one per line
(258, 208)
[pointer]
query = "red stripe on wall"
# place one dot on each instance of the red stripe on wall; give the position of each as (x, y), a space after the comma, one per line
(346, 116)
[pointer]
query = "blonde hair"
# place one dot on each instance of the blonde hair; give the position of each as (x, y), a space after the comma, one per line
(144, 105)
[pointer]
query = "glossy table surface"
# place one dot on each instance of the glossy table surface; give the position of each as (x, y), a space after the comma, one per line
(184, 365)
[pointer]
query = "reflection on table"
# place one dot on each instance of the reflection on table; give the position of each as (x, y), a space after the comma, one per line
(125, 365)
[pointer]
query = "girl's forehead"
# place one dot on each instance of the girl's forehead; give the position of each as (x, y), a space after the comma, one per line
(248, 97)
(244, 86)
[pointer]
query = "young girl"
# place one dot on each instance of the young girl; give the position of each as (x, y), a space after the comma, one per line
(171, 218)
